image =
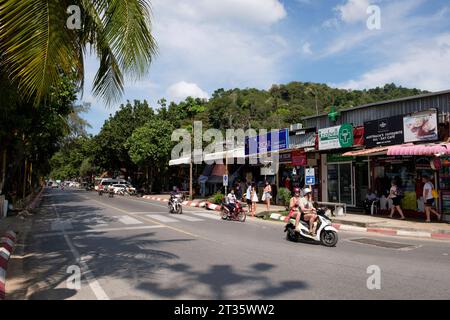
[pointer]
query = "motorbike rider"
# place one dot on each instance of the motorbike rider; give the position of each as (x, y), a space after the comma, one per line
(231, 197)
(294, 204)
(309, 213)
(175, 191)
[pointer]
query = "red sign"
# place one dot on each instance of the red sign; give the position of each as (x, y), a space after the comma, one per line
(299, 158)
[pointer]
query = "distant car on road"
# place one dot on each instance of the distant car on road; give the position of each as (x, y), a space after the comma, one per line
(129, 188)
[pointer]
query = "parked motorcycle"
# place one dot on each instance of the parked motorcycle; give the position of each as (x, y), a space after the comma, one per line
(174, 204)
(326, 234)
(237, 214)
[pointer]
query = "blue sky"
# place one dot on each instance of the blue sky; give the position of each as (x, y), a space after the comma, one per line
(209, 44)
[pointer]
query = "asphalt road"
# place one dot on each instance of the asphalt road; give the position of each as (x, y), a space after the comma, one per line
(129, 248)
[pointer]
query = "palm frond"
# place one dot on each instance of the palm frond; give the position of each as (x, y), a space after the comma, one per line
(37, 46)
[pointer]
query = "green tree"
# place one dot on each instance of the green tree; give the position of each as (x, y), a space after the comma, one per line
(150, 147)
(37, 47)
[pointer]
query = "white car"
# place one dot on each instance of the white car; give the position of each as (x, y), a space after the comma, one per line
(129, 188)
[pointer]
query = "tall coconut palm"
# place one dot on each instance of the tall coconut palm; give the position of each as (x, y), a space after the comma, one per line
(36, 46)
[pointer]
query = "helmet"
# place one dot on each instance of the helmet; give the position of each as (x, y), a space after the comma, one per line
(296, 190)
(306, 191)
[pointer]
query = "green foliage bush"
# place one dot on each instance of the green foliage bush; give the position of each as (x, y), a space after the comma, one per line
(217, 198)
(284, 195)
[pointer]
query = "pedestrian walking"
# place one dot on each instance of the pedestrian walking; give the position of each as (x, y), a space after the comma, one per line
(396, 195)
(254, 198)
(267, 195)
(428, 198)
(248, 196)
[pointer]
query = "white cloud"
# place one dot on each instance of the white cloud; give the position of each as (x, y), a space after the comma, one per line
(263, 12)
(353, 10)
(219, 44)
(422, 65)
(306, 48)
(181, 90)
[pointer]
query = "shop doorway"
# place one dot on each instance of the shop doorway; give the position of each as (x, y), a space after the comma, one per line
(341, 183)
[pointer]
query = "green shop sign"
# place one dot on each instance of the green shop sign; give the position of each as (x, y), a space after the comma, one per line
(336, 137)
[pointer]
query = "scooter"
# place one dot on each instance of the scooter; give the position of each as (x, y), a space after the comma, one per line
(174, 204)
(238, 214)
(326, 234)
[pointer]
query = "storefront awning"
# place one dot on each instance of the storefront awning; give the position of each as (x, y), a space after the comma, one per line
(431, 149)
(367, 152)
(177, 162)
(230, 154)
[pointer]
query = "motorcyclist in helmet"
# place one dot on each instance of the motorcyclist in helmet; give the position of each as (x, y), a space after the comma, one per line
(302, 208)
(294, 204)
(309, 213)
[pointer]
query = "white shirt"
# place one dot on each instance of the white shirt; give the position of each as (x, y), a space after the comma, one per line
(428, 186)
(231, 198)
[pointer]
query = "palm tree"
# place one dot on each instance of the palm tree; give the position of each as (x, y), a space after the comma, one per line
(36, 47)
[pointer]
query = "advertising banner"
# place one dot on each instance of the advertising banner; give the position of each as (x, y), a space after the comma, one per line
(336, 137)
(422, 126)
(383, 132)
(267, 143)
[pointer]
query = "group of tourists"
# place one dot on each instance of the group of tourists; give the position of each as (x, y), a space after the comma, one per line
(251, 195)
(396, 194)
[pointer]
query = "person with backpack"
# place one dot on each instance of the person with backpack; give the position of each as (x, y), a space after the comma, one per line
(428, 198)
(396, 195)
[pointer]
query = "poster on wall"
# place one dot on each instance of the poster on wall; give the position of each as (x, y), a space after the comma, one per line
(421, 126)
(383, 132)
(336, 137)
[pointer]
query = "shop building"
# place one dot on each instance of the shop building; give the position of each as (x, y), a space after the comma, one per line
(365, 147)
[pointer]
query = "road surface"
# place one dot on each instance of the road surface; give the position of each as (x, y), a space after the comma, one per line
(129, 248)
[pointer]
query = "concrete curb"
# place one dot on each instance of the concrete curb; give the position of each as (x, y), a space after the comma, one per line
(386, 231)
(7, 243)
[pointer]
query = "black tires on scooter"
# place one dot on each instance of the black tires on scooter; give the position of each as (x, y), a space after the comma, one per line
(242, 216)
(224, 214)
(329, 238)
(179, 209)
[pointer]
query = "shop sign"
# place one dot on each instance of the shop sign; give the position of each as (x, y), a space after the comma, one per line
(422, 126)
(268, 171)
(338, 157)
(383, 132)
(277, 141)
(299, 158)
(310, 176)
(285, 158)
(336, 137)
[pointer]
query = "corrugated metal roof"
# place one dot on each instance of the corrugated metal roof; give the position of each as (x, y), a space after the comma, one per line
(358, 115)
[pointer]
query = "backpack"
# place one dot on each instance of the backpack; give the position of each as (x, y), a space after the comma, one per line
(400, 193)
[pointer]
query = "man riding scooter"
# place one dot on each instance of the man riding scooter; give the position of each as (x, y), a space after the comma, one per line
(303, 208)
(231, 197)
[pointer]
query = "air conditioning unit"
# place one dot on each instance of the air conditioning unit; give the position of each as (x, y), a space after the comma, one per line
(295, 127)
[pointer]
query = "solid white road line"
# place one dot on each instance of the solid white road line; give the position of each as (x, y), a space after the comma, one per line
(92, 281)
(162, 218)
(129, 220)
(96, 230)
(207, 215)
(188, 218)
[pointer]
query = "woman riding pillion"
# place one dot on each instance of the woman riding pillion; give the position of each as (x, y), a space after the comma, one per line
(303, 208)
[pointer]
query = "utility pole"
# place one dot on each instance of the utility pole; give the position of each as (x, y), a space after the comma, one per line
(190, 180)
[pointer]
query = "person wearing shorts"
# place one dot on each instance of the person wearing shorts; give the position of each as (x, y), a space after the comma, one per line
(396, 200)
(428, 198)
